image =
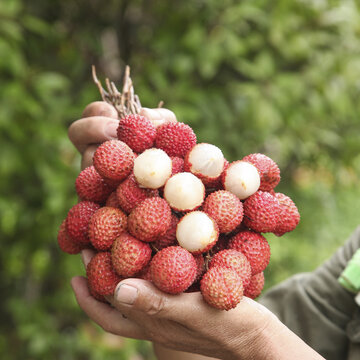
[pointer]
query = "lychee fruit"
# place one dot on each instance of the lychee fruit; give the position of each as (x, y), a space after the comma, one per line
(101, 275)
(152, 168)
(158, 116)
(65, 242)
(206, 161)
(177, 165)
(175, 138)
(254, 289)
(261, 212)
(173, 269)
(184, 192)
(221, 288)
(114, 160)
(268, 169)
(129, 255)
(112, 200)
(289, 215)
(234, 260)
(136, 131)
(254, 246)
(197, 232)
(105, 226)
(77, 221)
(225, 208)
(241, 178)
(150, 219)
(169, 238)
(130, 194)
(91, 186)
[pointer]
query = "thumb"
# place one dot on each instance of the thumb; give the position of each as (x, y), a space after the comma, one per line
(137, 295)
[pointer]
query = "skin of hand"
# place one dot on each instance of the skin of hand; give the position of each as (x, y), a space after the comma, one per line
(181, 322)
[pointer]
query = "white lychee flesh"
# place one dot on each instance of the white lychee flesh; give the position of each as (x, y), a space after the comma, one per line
(242, 179)
(152, 168)
(158, 116)
(184, 191)
(206, 159)
(196, 232)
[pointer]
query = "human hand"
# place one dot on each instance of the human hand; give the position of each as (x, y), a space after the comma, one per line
(99, 123)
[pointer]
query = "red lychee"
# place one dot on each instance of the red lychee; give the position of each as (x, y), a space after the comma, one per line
(129, 255)
(221, 288)
(253, 290)
(289, 215)
(65, 242)
(175, 138)
(150, 219)
(225, 208)
(169, 238)
(114, 160)
(136, 131)
(173, 269)
(105, 226)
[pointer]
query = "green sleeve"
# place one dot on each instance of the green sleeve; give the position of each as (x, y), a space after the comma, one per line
(318, 309)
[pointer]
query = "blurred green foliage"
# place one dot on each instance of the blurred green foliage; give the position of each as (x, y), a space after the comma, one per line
(282, 78)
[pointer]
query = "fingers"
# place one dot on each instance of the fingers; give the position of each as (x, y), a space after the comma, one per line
(86, 256)
(87, 158)
(92, 130)
(100, 108)
(136, 296)
(103, 314)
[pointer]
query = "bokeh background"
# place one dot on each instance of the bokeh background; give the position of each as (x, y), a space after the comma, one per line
(278, 77)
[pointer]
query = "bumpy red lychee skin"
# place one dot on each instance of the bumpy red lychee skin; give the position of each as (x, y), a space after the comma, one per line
(112, 200)
(289, 215)
(254, 246)
(200, 262)
(225, 208)
(97, 296)
(77, 221)
(253, 290)
(268, 169)
(91, 186)
(173, 269)
(221, 244)
(130, 194)
(65, 242)
(114, 160)
(234, 260)
(136, 131)
(261, 212)
(144, 273)
(150, 219)
(129, 255)
(176, 139)
(169, 238)
(101, 275)
(105, 226)
(177, 165)
(221, 288)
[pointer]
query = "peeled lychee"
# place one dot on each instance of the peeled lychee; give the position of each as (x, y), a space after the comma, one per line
(241, 178)
(173, 269)
(221, 288)
(158, 116)
(197, 232)
(206, 161)
(136, 131)
(184, 192)
(129, 255)
(152, 168)
(150, 219)
(114, 160)
(175, 138)
(225, 208)
(105, 226)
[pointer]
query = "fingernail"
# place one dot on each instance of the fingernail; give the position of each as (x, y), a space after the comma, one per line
(126, 294)
(111, 129)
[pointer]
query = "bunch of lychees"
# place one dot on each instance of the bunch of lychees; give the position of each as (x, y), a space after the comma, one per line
(159, 206)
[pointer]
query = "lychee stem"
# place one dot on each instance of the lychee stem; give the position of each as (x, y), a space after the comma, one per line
(207, 259)
(154, 247)
(125, 103)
